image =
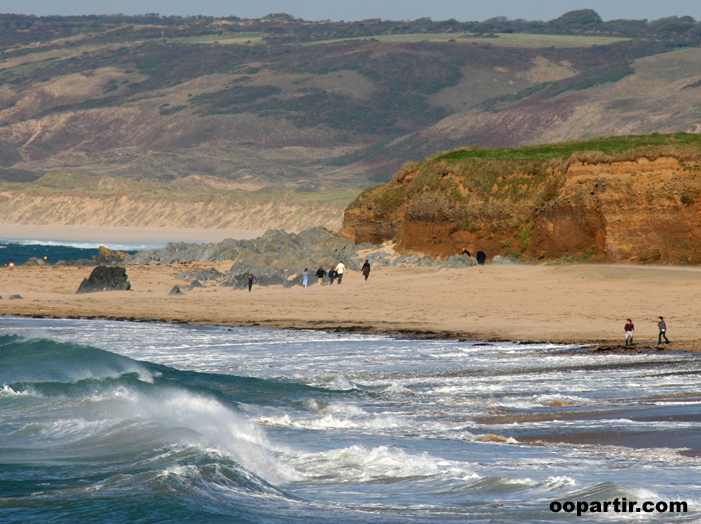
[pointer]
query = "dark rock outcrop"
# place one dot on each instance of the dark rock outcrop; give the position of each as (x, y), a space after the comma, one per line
(276, 248)
(16, 297)
(176, 291)
(105, 278)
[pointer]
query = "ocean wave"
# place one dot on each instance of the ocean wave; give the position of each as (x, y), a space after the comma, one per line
(84, 404)
(360, 464)
(44, 360)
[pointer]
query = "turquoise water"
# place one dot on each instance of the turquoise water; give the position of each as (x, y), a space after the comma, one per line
(104, 421)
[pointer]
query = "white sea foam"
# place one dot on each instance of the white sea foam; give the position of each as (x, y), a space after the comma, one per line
(397, 389)
(7, 390)
(359, 464)
(334, 421)
(559, 483)
(120, 246)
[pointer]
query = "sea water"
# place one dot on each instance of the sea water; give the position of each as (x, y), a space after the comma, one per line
(19, 251)
(104, 421)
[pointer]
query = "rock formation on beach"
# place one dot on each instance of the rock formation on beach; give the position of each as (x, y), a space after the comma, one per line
(634, 199)
(279, 258)
(104, 278)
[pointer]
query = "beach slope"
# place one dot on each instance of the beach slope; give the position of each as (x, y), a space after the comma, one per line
(566, 303)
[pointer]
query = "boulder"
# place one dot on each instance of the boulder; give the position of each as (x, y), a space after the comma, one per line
(16, 297)
(506, 260)
(208, 274)
(34, 261)
(175, 291)
(108, 257)
(105, 278)
(195, 283)
(459, 261)
(106, 252)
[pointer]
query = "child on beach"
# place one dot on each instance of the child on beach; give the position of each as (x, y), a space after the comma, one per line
(320, 274)
(305, 277)
(630, 330)
(332, 275)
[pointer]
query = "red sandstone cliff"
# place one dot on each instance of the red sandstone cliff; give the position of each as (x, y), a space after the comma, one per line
(641, 210)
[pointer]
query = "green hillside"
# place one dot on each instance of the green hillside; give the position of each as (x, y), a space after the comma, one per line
(283, 104)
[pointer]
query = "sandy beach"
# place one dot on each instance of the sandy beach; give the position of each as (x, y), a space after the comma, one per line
(575, 303)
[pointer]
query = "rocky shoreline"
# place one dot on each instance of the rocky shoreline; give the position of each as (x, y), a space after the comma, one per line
(275, 258)
(279, 258)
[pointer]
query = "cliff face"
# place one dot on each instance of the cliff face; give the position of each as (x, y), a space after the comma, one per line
(643, 209)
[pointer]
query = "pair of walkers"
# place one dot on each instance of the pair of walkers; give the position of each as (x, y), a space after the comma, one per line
(333, 274)
(661, 325)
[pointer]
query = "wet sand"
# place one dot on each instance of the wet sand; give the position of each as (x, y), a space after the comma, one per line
(570, 304)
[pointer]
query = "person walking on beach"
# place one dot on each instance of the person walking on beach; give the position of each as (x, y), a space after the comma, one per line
(332, 275)
(663, 330)
(250, 281)
(305, 277)
(366, 269)
(630, 330)
(340, 269)
(481, 257)
(320, 274)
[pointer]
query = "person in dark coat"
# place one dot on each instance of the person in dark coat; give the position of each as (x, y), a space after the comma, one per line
(332, 275)
(481, 257)
(250, 281)
(466, 252)
(662, 326)
(320, 274)
(366, 269)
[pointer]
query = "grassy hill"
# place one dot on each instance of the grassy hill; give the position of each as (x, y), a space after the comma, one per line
(280, 104)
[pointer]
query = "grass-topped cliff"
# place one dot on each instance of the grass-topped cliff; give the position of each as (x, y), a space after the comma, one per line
(616, 198)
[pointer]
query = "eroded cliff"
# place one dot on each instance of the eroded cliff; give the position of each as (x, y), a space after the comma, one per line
(616, 199)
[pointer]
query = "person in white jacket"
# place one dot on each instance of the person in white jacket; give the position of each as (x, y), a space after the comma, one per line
(340, 269)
